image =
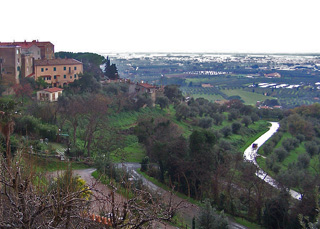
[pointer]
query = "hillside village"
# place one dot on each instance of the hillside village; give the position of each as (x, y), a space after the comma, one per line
(36, 59)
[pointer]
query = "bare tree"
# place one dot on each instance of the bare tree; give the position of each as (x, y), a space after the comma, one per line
(29, 199)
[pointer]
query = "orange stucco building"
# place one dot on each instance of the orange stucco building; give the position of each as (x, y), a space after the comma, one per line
(58, 72)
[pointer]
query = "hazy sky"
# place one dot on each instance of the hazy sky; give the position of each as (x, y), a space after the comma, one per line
(104, 26)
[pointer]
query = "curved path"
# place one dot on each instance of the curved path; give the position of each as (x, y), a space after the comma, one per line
(188, 210)
(250, 154)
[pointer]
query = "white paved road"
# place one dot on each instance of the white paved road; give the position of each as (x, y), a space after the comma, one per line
(250, 154)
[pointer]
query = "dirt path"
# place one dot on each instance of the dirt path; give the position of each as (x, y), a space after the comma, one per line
(101, 192)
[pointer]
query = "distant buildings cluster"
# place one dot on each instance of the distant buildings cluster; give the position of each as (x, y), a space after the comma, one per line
(36, 59)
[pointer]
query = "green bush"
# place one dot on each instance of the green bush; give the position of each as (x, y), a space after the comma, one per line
(31, 125)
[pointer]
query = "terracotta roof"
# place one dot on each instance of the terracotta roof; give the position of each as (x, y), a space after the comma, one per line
(25, 43)
(30, 75)
(56, 62)
(146, 85)
(53, 89)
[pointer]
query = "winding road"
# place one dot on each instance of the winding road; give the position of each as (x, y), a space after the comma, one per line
(250, 154)
(189, 210)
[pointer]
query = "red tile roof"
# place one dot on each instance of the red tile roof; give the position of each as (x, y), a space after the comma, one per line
(34, 42)
(146, 85)
(30, 75)
(56, 62)
(53, 89)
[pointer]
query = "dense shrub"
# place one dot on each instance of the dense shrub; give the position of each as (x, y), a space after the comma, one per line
(312, 148)
(281, 153)
(303, 161)
(226, 131)
(30, 125)
(290, 143)
(205, 123)
(236, 126)
(268, 147)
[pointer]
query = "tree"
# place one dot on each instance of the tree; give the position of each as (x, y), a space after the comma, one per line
(268, 147)
(162, 101)
(162, 139)
(96, 108)
(23, 91)
(172, 92)
(65, 201)
(72, 109)
(246, 120)
(7, 110)
(205, 123)
(236, 126)
(204, 159)
(143, 100)
(312, 148)
(254, 118)
(276, 211)
(182, 111)
(303, 161)
(86, 83)
(226, 131)
(290, 144)
(218, 118)
(209, 218)
(56, 204)
(298, 125)
(41, 83)
(111, 70)
(281, 153)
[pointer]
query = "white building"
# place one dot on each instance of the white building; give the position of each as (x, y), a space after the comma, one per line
(49, 94)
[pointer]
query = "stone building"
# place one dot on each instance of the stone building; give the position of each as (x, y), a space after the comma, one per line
(37, 49)
(10, 63)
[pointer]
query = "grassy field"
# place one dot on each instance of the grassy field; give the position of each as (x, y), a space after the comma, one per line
(54, 164)
(132, 153)
(210, 97)
(250, 98)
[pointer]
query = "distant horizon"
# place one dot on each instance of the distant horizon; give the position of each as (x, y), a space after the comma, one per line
(179, 26)
(151, 52)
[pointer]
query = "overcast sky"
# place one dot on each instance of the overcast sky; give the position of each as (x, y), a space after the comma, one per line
(104, 26)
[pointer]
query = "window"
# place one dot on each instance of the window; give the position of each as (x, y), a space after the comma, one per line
(70, 77)
(54, 69)
(75, 76)
(46, 69)
(64, 76)
(64, 68)
(75, 68)
(55, 77)
(41, 69)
